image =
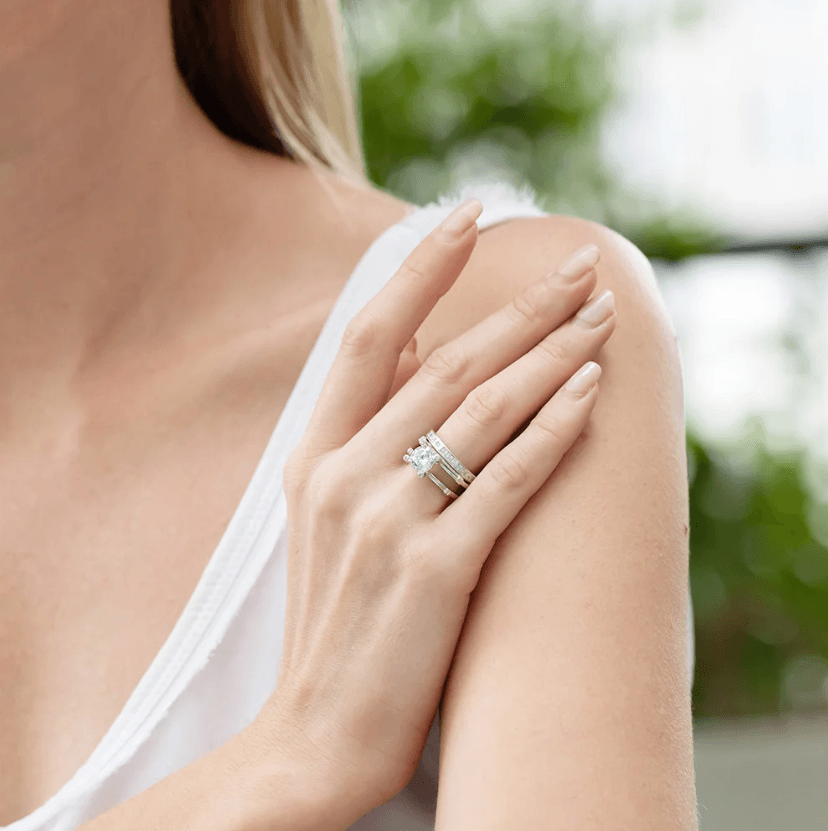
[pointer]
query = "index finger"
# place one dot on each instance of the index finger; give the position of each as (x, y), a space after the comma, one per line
(363, 369)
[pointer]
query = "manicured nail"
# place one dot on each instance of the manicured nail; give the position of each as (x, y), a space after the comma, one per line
(584, 379)
(582, 260)
(597, 310)
(462, 217)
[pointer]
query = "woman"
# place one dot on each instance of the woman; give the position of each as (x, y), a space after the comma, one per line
(211, 622)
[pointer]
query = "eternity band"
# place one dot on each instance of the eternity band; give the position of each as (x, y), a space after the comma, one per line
(453, 461)
(457, 477)
(432, 453)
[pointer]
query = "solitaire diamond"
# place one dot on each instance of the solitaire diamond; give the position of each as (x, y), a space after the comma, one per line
(422, 459)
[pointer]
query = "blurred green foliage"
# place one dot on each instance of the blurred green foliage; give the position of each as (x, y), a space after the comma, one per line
(759, 576)
(461, 89)
(463, 92)
(449, 90)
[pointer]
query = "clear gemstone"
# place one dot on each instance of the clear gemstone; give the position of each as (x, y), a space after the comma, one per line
(423, 459)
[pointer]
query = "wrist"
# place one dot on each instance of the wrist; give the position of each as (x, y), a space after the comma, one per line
(285, 777)
(250, 783)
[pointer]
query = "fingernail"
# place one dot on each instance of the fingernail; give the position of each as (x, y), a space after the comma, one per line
(584, 379)
(597, 310)
(462, 217)
(582, 260)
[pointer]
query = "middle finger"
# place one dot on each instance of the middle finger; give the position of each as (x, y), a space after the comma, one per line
(452, 370)
(492, 413)
(488, 418)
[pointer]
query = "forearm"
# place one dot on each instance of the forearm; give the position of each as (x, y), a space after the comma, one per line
(248, 784)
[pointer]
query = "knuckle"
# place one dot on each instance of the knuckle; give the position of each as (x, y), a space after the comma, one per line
(485, 405)
(553, 351)
(525, 308)
(447, 363)
(415, 267)
(361, 336)
(553, 429)
(508, 470)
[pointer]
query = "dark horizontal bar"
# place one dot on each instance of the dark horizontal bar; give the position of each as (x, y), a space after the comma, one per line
(760, 246)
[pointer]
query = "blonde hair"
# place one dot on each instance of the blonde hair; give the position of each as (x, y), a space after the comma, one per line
(273, 74)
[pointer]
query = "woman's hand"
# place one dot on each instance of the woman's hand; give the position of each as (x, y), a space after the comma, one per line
(382, 563)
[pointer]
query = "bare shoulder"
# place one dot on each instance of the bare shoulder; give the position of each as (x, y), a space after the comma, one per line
(511, 255)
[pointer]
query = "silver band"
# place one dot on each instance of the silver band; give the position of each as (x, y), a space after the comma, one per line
(431, 452)
(437, 443)
(423, 459)
(457, 477)
(443, 488)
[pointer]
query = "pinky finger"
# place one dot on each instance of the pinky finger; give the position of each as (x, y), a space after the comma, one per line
(518, 471)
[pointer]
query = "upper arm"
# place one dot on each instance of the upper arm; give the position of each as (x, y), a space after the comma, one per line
(567, 702)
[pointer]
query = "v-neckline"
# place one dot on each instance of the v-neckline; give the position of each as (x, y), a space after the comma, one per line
(259, 518)
(207, 610)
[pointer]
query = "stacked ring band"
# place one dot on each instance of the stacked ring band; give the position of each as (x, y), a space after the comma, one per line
(452, 460)
(456, 477)
(433, 454)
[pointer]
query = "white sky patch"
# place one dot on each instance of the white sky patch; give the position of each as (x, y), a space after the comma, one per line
(753, 342)
(727, 115)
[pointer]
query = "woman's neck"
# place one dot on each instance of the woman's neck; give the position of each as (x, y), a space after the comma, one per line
(120, 202)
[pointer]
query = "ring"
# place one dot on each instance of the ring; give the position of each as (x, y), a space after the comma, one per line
(433, 452)
(423, 459)
(438, 445)
(444, 488)
(445, 466)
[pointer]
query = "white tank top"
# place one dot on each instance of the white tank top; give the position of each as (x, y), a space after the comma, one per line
(221, 660)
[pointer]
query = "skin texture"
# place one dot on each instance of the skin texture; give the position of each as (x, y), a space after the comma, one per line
(149, 308)
(567, 703)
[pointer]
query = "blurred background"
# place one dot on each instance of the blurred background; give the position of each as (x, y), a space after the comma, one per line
(698, 130)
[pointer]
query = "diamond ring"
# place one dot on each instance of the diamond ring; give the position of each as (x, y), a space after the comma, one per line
(431, 455)
(452, 460)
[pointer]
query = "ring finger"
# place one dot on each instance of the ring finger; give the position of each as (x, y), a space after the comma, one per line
(451, 371)
(491, 413)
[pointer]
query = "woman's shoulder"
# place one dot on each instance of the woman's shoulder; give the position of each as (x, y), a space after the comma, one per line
(582, 603)
(510, 255)
(515, 251)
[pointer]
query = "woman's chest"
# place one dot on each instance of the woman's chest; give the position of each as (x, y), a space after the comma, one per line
(99, 553)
